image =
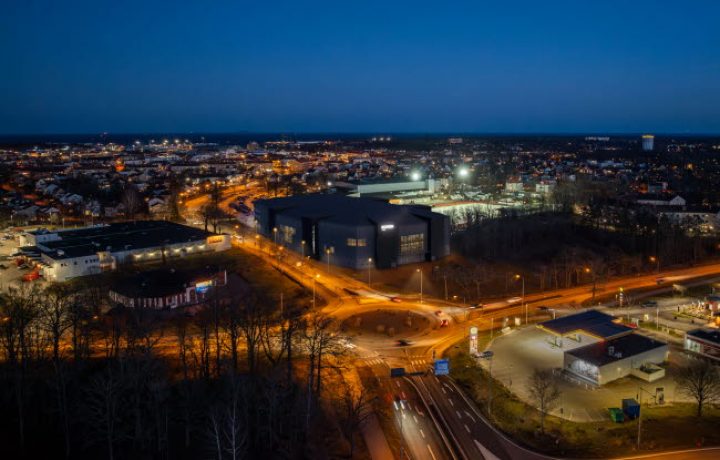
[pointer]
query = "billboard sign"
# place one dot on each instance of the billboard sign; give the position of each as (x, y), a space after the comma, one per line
(442, 367)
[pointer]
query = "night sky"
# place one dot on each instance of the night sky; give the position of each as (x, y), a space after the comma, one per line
(360, 66)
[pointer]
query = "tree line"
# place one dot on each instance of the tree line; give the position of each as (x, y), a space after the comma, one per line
(243, 378)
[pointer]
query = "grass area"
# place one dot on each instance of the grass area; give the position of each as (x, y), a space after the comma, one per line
(663, 427)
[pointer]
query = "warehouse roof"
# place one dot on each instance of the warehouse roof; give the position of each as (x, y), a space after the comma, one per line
(347, 210)
(120, 237)
(608, 351)
(591, 322)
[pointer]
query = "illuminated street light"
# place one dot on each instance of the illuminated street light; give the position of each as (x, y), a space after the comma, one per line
(369, 268)
(656, 261)
(415, 176)
(463, 172)
(315, 278)
(523, 305)
(421, 284)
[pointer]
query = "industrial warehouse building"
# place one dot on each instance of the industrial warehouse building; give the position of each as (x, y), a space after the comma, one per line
(354, 232)
(66, 254)
(600, 350)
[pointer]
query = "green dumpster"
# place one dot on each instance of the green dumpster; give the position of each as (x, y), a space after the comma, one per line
(616, 414)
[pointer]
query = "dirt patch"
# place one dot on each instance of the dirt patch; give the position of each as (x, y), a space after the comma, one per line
(386, 323)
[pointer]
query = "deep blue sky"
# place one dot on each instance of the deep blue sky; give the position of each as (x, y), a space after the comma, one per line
(389, 66)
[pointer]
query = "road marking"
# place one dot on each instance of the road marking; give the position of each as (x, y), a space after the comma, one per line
(397, 383)
(422, 434)
(451, 403)
(443, 389)
(467, 429)
(415, 418)
(470, 416)
(458, 414)
(485, 453)
(431, 452)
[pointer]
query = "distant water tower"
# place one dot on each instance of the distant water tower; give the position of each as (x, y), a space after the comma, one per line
(648, 142)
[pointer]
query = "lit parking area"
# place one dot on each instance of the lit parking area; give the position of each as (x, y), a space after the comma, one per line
(518, 353)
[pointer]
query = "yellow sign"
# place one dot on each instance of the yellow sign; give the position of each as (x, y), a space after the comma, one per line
(215, 239)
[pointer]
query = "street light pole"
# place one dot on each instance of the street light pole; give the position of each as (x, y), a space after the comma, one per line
(369, 269)
(421, 284)
(523, 300)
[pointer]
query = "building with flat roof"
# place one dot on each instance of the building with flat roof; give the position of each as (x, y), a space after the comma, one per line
(354, 232)
(608, 360)
(704, 342)
(167, 288)
(601, 349)
(66, 254)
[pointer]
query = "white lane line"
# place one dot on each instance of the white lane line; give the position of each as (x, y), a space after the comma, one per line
(431, 452)
(422, 434)
(485, 453)
(397, 383)
(458, 414)
(451, 403)
(470, 416)
(467, 429)
(443, 389)
(415, 418)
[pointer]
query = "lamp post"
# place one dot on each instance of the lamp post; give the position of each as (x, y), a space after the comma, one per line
(656, 261)
(302, 244)
(275, 235)
(523, 305)
(421, 284)
(317, 275)
(369, 269)
(327, 254)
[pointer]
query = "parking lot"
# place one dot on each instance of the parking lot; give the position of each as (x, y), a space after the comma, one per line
(521, 351)
(10, 273)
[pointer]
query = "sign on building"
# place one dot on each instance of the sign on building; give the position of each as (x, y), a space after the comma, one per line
(442, 366)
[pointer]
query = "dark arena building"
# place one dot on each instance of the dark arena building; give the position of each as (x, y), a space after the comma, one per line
(354, 232)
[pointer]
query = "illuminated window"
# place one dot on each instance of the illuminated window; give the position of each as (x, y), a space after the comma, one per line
(412, 244)
(361, 242)
(352, 242)
(356, 242)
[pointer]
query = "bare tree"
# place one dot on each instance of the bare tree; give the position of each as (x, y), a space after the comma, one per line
(102, 404)
(131, 200)
(356, 408)
(544, 391)
(701, 381)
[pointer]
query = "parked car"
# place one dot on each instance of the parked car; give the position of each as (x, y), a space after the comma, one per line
(649, 304)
